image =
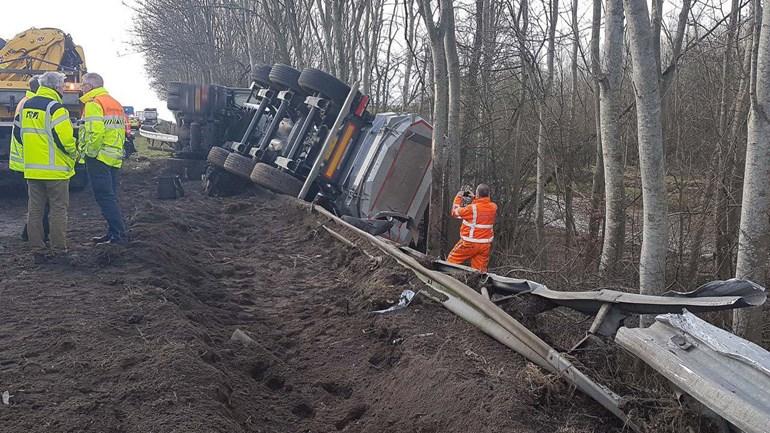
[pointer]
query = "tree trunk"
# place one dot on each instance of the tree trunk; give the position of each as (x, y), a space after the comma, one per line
(740, 115)
(409, 61)
(652, 260)
(471, 90)
(569, 219)
(440, 124)
(523, 29)
(453, 176)
(614, 168)
(656, 25)
(247, 26)
(723, 254)
(597, 182)
(720, 209)
(753, 238)
(541, 135)
(292, 15)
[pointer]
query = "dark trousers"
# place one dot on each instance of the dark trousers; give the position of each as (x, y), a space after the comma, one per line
(104, 182)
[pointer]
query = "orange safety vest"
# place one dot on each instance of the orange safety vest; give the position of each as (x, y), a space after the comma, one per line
(478, 219)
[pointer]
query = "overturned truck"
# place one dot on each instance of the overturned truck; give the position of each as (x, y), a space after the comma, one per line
(308, 134)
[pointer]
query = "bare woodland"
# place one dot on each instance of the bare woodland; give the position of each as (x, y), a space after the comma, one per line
(626, 145)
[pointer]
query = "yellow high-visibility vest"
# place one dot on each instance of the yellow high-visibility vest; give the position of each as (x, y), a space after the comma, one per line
(16, 159)
(103, 131)
(47, 137)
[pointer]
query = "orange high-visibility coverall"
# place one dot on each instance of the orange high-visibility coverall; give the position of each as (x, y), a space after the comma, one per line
(476, 232)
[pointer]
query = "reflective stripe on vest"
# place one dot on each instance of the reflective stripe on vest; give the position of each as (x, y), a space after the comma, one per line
(478, 226)
(474, 225)
(476, 240)
(111, 152)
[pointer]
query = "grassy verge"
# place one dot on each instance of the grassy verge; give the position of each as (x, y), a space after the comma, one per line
(150, 149)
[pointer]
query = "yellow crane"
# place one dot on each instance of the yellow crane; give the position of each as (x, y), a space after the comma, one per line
(33, 52)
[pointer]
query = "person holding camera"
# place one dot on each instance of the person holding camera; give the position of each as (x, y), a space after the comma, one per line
(478, 214)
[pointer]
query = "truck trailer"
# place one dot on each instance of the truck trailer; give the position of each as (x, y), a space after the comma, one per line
(309, 135)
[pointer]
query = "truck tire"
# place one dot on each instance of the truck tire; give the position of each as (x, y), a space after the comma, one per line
(275, 180)
(239, 165)
(217, 156)
(261, 75)
(285, 77)
(317, 81)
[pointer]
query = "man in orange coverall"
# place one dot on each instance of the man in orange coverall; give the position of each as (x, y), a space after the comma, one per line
(476, 233)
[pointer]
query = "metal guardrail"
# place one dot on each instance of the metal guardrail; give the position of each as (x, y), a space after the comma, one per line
(158, 136)
(478, 310)
(725, 373)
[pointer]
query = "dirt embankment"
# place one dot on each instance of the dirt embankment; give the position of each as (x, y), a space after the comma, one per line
(137, 339)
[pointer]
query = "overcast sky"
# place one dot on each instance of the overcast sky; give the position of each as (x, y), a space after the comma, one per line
(103, 29)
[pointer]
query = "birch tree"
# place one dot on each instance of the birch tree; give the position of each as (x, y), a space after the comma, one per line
(597, 180)
(652, 259)
(613, 152)
(754, 228)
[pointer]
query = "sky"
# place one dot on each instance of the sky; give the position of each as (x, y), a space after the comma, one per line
(103, 29)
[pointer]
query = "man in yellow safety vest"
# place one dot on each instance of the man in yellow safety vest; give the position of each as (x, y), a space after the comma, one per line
(44, 131)
(16, 160)
(102, 134)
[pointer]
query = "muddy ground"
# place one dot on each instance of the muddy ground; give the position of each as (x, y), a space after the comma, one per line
(138, 338)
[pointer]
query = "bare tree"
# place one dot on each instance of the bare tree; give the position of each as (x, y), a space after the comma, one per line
(652, 260)
(542, 114)
(436, 30)
(723, 253)
(614, 167)
(568, 167)
(755, 227)
(409, 37)
(453, 174)
(597, 180)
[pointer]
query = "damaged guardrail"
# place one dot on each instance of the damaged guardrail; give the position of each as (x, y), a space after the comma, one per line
(727, 374)
(612, 307)
(484, 314)
(158, 136)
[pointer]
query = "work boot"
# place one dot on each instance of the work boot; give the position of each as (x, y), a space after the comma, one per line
(111, 240)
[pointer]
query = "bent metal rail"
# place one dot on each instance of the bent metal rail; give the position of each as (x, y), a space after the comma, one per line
(712, 377)
(485, 315)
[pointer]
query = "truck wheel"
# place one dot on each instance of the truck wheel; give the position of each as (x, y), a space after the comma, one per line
(239, 165)
(275, 180)
(317, 81)
(261, 75)
(285, 77)
(218, 183)
(217, 156)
